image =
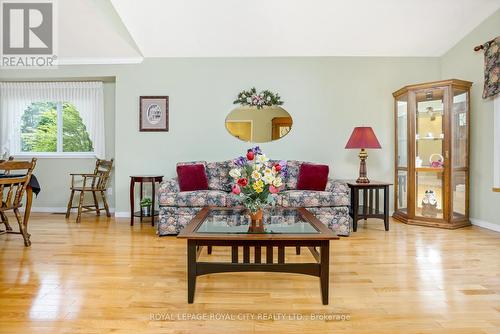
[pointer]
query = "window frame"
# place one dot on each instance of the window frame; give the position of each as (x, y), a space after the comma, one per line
(60, 154)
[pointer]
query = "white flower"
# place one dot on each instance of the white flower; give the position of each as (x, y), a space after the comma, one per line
(249, 100)
(262, 159)
(256, 175)
(268, 178)
(278, 182)
(269, 98)
(235, 173)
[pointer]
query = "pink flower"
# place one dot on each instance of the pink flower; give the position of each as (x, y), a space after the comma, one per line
(273, 189)
(236, 189)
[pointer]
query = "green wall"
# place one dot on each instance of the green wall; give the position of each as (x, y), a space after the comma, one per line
(326, 97)
(462, 62)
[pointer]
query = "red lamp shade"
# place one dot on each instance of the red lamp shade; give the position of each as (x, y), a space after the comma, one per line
(363, 137)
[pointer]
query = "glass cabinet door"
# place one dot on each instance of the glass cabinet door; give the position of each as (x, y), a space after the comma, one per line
(402, 153)
(429, 152)
(460, 144)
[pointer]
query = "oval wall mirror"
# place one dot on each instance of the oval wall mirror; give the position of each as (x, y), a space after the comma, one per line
(259, 125)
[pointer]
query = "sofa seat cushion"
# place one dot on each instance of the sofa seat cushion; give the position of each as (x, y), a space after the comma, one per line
(196, 198)
(309, 198)
(233, 200)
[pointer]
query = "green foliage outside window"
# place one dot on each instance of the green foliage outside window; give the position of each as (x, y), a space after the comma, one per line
(39, 129)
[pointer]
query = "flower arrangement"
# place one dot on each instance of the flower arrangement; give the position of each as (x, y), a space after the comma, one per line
(264, 98)
(256, 180)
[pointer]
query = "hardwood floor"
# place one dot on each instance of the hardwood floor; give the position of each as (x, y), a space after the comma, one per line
(102, 276)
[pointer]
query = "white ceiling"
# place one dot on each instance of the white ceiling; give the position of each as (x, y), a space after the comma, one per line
(234, 28)
(90, 32)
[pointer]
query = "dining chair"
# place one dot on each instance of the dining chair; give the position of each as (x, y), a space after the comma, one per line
(94, 183)
(12, 189)
(3, 218)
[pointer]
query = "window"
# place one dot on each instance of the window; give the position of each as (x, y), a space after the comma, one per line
(52, 118)
(54, 127)
(496, 144)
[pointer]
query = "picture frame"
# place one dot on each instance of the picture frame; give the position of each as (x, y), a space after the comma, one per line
(153, 114)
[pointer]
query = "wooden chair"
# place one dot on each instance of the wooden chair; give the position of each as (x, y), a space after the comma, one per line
(12, 190)
(93, 183)
(3, 218)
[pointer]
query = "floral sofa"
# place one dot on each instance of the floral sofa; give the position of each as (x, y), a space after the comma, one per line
(178, 208)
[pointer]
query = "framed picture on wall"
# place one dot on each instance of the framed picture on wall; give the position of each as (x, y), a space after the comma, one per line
(153, 114)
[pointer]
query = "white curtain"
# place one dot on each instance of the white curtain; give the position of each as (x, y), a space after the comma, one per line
(15, 97)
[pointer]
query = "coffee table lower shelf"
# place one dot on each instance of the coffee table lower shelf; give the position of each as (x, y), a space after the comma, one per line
(320, 268)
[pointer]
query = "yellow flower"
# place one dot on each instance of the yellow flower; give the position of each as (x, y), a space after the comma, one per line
(258, 186)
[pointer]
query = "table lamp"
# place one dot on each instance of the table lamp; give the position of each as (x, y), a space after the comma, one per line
(362, 137)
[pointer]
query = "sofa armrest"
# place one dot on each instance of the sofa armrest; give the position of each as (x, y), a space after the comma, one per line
(337, 186)
(169, 186)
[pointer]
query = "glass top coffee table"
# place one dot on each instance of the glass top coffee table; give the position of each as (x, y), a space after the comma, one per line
(279, 228)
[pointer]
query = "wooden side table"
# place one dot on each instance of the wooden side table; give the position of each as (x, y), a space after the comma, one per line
(142, 179)
(368, 209)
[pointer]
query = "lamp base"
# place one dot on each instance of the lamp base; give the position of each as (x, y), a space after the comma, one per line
(362, 180)
(362, 167)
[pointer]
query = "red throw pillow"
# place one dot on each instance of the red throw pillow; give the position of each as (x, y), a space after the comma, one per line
(312, 177)
(192, 177)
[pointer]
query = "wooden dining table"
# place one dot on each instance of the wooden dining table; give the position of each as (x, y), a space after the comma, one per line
(32, 187)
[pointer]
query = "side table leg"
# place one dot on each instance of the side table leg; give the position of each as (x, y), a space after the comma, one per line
(132, 187)
(355, 210)
(325, 270)
(153, 204)
(140, 200)
(191, 264)
(386, 208)
(365, 203)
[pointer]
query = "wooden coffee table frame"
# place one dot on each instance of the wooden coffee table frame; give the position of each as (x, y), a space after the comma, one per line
(196, 242)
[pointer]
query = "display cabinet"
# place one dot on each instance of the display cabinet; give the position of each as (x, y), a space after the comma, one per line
(432, 154)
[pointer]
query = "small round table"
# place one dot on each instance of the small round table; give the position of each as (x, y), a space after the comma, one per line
(141, 179)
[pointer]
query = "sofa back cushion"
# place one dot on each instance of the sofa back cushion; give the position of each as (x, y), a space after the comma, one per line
(293, 167)
(218, 175)
(192, 177)
(312, 177)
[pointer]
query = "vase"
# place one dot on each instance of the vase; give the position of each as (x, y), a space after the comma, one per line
(256, 225)
(256, 217)
(146, 210)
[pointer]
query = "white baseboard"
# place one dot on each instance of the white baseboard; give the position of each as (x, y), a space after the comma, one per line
(122, 214)
(485, 224)
(55, 209)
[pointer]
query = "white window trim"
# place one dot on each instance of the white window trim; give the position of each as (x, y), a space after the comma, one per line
(55, 155)
(496, 143)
